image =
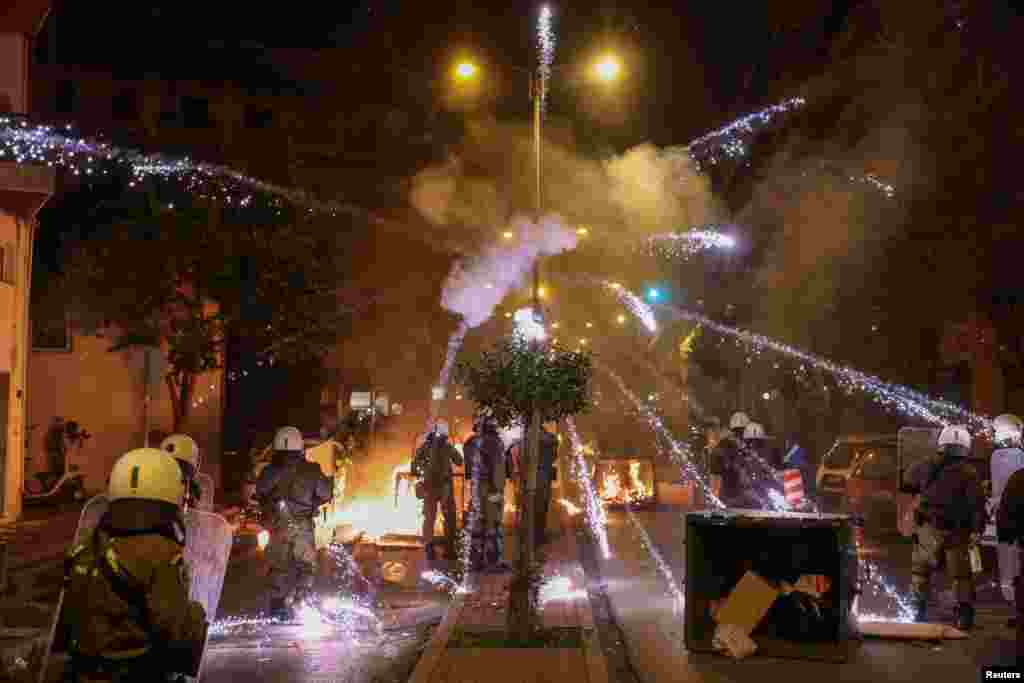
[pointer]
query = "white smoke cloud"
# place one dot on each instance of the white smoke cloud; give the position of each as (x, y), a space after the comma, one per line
(476, 286)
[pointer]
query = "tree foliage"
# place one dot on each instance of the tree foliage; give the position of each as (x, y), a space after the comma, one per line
(514, 379)
(170, 269)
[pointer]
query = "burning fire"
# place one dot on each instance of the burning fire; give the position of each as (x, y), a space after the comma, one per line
(613, 491)
(570, 507)
(398, 513)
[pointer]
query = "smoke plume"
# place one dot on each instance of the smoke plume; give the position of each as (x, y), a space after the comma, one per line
(477, 285)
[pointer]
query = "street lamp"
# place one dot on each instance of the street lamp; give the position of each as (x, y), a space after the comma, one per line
(607, 69)
(466, 70)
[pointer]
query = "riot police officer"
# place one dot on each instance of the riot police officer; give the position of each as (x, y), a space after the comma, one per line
(127, 616)
(291, 489)
(950, 517)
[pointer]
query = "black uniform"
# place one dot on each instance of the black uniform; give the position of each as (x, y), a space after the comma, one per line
(291, 490)
(951, 509)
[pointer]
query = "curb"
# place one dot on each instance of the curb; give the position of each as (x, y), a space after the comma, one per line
(430, 658)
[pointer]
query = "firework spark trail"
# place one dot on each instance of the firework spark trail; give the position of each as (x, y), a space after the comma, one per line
(903, 398)
(635, 305)
(673, 586)
(729, 138)
(27, 143)
(597, 520)
(546, 49)
(687, 244)
(469, 530)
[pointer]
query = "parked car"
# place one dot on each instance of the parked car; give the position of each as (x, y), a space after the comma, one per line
(872, 454)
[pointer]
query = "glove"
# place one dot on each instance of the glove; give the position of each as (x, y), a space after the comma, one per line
(494, 498)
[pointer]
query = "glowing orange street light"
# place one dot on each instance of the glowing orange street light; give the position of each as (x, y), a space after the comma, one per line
(608, 68)
(465, 71)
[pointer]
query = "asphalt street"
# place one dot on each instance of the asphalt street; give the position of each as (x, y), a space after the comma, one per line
(366, 650)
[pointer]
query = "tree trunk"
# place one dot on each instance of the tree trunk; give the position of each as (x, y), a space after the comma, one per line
(180, 387)
(521, 610)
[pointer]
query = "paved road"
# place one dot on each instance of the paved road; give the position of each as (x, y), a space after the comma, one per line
(637, 590)
(358, 653)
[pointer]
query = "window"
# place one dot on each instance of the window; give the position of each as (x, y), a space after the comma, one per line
(125, 106)
(258, 117)
(67, 97)
(7, 263)
(195, 112)
(52, 332)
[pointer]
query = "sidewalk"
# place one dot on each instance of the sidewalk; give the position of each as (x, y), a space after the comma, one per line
(483, 609)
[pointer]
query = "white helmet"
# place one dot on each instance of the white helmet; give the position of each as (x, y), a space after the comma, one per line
(511, 434)
(753, 431)
(441, 427)
(1007, 428)
(147, 474)
(289, 439)
(183, 447)
(954, 435)
(739, 421)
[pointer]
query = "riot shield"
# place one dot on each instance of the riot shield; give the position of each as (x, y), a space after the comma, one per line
(92, 512)
(207, 549)
(1005, 462)
(206, 489)
(913, 445)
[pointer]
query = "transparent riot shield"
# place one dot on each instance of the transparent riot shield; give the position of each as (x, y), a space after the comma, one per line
(206, 490)
(207, 548)
(92, 512)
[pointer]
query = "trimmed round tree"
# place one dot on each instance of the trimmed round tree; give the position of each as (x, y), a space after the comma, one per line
(529, 383)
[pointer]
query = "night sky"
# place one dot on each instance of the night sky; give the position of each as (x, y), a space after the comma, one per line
(692, 63)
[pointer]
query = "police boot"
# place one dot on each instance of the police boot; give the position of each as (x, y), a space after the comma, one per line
(279, 610)
(965, 616)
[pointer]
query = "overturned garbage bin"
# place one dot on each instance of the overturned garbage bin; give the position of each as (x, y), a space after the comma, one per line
(778, 583)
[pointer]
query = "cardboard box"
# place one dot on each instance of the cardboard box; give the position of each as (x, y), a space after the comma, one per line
(748, 602)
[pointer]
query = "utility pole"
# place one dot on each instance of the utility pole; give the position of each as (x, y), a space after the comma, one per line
(532, 459)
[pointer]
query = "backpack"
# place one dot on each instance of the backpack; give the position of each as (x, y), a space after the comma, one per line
(944, 502)
(276, 504)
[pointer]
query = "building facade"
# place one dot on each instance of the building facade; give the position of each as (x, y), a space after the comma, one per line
(23, 191)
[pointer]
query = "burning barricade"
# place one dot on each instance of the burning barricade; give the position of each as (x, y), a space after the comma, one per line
(621, 482)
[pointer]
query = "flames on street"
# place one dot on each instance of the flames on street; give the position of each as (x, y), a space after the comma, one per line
(625, 481)
(398, 512)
